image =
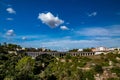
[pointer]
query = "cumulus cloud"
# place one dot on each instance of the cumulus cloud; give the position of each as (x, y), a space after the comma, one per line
(9, 19)
(64, 28)
(11, 10)
(92, 14)
(50, 20)
(10, 32)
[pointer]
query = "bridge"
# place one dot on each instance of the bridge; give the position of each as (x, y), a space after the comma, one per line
(60, 54)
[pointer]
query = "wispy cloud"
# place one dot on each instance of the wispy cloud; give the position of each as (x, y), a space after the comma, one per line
(50, 20)
(92, 14)
(102, 38)
(67, 43)
(29, 37)
(10, 32)
(93, 32)
(11, 10)
(113, 30)
(64, 28)
(55, 44)
(10, 36)
(9, 19)
(24, 38)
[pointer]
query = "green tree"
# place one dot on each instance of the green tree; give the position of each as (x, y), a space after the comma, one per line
(87, 50)
(41, 62)
(73, 50)
(7, 65)
(98, 69)
(25, 68)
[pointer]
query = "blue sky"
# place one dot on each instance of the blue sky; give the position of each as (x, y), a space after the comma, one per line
(60, 24)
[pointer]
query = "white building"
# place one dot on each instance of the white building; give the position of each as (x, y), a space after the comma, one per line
(111, 49)
(80, 50)
(100, 49)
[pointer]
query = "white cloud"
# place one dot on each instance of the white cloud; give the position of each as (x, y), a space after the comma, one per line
(102, 38)
(93, 32)
(9, 19)
(92, 14)
(61, 44)
(70, 43)
(113, 30)
(11, 10)
(50, 20)
(24, 38)
(29, 37)
(10, 32)
(64, 28)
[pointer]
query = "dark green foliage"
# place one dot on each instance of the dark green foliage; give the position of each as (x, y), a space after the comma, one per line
(82, 64)
(44, 58)
(7, 65)
(86, 59)
(73, 50)
(105, 63)
(52, 77)
(4, 48)
(87, 50)
(116, 70)
(89, 75)
(37, 68)
(112, 57)
(68, 56)
(3, 57)
(41, 60)
(98, 69)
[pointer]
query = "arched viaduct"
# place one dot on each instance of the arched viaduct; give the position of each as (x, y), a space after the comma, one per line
(60, 54)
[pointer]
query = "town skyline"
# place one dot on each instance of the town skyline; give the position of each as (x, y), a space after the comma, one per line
(60, 24)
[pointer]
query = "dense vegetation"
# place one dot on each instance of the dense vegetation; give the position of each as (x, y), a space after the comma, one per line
(46, 67)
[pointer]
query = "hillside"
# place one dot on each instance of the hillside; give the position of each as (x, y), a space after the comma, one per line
(47, 67)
